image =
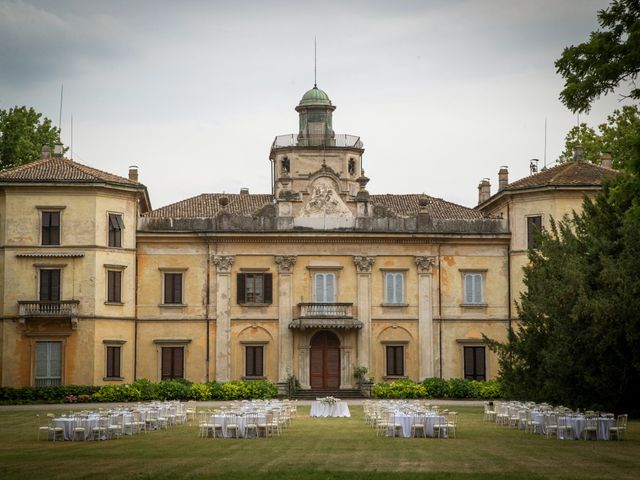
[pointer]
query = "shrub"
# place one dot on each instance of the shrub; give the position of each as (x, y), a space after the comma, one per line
(460, 388)
(399, 389)
(489, 390)
(173, 390)
(436, 387)
(148, 390)
(117, 393)
(200, 391)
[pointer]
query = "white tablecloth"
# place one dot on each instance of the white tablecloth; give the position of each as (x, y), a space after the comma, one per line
(241, 421)
(322, 409)
(407, 419)
(578, 423)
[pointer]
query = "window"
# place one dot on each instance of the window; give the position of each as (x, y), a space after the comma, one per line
(253, 360)
(114, 286)
(474, 363)
(116, 225)
(172, 363)
(49, 285)
(254, 288)
(473, 294)
(48, 364)
(325, 287)
(395, 360)
(394, 287)
(113, 361)
(50, 228)
(173, 288)
(534, 227)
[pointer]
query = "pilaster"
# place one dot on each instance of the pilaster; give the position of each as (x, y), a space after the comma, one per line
(425, 317)
(223, 318)
(363, 268)
(285, 308)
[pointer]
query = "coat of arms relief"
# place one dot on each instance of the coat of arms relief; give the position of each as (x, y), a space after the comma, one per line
(324, 201)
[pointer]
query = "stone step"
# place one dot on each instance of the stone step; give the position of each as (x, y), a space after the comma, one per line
(341, 394)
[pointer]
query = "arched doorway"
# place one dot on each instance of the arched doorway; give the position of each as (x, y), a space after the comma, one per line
(325, 360)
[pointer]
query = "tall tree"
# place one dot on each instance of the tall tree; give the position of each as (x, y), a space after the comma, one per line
(23, 132)
(609, 58)
(578, 339)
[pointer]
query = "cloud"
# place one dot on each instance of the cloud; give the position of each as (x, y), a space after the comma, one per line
(37, 44)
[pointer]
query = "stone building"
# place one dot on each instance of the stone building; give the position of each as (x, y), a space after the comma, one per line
(311, 280)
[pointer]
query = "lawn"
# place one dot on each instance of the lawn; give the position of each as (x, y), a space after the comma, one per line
(316, 449)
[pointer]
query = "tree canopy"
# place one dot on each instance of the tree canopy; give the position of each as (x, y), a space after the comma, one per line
(609, 58)
(23, 132)
(616, 136)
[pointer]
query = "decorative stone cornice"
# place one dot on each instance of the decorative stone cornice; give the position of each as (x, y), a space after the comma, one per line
(285, 263)
(425, 264)
(223, 263)
(363, 264)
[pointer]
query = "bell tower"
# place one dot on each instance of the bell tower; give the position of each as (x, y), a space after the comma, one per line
(316, 124)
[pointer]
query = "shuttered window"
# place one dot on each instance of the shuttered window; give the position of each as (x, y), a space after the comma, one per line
(114, 286)
(116, 225)
(173, 288)
(253, 360)
(473, 290)
(474, 363)
(48, 368)
(534, 227)
(113, 361)
(254, 288)
(49, 285)
(395, 360)
(50, 228)
(394, 288)
(172, 363)
(325, 287)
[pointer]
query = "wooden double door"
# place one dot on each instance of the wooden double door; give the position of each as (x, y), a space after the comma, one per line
(325, 360)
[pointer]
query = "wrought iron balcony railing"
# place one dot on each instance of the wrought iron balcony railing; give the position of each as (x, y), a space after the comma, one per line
(326, 310)
(60, 308)
(337, 140)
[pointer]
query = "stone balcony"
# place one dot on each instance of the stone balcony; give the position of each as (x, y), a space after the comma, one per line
(325, 315)
(49, 309)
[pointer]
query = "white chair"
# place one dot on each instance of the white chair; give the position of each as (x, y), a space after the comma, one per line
(620, 429)
(418, 426)
(231, 425)
(80, 428)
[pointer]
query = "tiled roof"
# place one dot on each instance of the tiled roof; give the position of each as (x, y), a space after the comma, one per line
(207, 205)
(566, 175)
(57, 169)
(407, 205)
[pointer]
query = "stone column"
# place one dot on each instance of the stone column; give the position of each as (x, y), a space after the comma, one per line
(425, 317)
(285, 306)
(223, 317)
(303, 366)
(346, 372)
(363, 267)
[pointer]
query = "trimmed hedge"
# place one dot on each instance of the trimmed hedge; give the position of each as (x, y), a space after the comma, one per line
(457, 388)
(142, 390)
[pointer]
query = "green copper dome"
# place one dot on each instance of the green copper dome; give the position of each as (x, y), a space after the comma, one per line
(315, 96)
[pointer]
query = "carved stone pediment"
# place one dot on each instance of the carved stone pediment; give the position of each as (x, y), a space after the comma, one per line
(324, 201)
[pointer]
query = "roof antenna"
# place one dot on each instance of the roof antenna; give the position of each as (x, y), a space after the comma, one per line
(545, 142)
(72, 137)
(60, 115)
(315, 63)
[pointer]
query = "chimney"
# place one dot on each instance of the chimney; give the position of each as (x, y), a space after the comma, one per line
(503, 177)
(484, 190)
(577, 153)
(244, 191)
(45, 152)
(606, 160)
(133, 173)
(58, 150)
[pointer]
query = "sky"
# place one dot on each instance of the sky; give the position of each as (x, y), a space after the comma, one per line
(442, 93)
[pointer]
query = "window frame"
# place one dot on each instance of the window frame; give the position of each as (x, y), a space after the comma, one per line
(35, 363)
(266, 287)
(166, 272)
(325, 273)
(47, 268)
(254, 375)
(173, 349)
(117, 232)
(113, 270)
(481, 274)
(394, 373)
(474, 375)
(391, 302)
(531, 242)
(50, 211)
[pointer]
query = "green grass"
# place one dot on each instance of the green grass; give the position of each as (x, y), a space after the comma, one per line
(317, 449)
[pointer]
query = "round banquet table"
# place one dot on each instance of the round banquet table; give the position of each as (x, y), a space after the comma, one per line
(322, 409)
(405, 420)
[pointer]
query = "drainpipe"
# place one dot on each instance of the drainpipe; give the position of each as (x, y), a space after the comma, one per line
(206, 313)
(440, 309)
(509, 269)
